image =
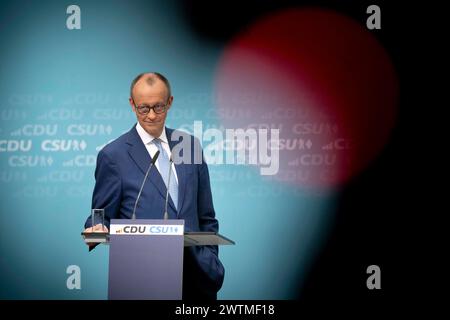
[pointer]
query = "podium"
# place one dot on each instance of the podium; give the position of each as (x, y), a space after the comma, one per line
(146, 257)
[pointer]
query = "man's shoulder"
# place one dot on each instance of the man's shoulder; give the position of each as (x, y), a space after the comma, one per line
(171, 131)
(176, 135)
(186, 148)
(117, 145)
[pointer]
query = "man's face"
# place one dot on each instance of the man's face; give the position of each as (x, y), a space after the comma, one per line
(145, 94)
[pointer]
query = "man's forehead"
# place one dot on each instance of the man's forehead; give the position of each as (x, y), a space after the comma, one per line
(145, 90)
(150, 94)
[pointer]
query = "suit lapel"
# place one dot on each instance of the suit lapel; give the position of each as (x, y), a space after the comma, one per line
(181, 171)
(140, 156)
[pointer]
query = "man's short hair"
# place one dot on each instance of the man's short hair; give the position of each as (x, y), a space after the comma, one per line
(151, 81)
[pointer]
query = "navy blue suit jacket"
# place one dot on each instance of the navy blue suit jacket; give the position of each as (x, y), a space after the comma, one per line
(121, 166)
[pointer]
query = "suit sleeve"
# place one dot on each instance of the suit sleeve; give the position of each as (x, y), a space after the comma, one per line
(108, 189)
(208, 255)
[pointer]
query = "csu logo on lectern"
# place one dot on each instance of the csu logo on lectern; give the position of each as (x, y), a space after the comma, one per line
(163, 229)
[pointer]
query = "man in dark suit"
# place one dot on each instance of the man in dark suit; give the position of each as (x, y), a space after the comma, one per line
(121, 166)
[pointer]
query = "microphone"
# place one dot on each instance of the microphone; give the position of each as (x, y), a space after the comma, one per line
(133, 216)
(166, 214)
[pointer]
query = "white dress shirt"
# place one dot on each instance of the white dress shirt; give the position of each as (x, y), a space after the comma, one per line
(147, 139)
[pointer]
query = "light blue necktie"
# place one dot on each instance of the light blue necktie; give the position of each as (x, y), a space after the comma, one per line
(164, 163)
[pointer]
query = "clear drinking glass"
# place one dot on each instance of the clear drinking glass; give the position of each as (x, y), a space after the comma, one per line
(98, 217)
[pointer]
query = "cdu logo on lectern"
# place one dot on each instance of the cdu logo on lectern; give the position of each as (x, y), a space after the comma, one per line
(134, 229)
(146, 229)
(123, 229)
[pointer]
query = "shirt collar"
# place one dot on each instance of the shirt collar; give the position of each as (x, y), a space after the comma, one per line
(148, 138)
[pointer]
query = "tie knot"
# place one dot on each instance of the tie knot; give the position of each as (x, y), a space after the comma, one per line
(157, 143)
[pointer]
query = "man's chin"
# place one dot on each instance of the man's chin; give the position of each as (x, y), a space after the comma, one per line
(153, 130)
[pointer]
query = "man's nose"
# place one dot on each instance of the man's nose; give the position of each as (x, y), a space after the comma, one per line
(151, 114)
